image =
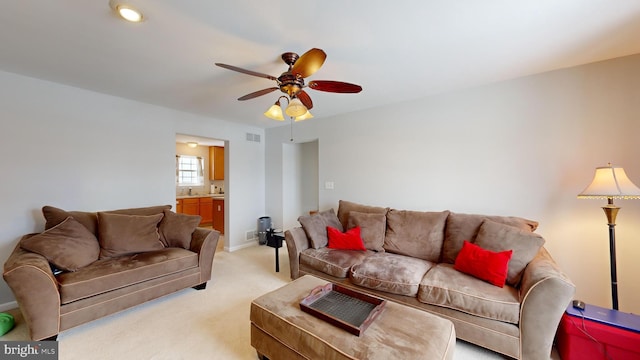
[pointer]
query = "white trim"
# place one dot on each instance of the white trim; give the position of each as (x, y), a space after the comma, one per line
(9, 306)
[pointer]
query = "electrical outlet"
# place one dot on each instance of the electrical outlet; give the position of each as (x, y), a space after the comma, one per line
(328, 185)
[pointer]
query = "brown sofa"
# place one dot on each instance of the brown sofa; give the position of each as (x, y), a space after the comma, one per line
(410, 258)
(87, 265)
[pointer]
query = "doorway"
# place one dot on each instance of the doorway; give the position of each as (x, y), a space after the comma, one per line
(300, 179)
(209, 182)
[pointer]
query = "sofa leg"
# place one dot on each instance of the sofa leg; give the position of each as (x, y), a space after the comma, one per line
(201, 286)
(51, 338)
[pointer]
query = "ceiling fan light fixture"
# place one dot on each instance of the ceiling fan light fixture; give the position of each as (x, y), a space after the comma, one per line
(304, 116)
(295, 108)
(275, 112)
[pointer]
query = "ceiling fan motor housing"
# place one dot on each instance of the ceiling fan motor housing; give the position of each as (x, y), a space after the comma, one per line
(290, 84)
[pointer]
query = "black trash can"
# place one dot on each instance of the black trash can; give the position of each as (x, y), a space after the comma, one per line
(264, 224)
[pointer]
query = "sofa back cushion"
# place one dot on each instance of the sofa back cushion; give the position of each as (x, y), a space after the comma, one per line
(54, 216)
(345, 207)
(176, 229)
(315, 226)
(69, 246)
(525, 245)
(461, 227)
(121, 234)
(372, 228)
(418, 234)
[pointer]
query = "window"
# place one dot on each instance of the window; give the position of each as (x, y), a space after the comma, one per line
(189, 170)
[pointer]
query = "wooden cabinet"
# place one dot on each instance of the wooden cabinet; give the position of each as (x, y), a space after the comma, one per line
(218, 215)
(216, 163)
(206, 211)
(191, 206)
(211, 211)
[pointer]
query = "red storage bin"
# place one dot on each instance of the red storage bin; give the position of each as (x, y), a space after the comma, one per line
(598, 333)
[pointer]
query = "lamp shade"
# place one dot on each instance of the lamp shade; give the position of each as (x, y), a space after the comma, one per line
(610, 182)
(275, 112)
(295, 108)
(304, 116)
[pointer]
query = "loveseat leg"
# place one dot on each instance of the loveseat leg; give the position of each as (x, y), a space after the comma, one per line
(201, 286)
(51, 338)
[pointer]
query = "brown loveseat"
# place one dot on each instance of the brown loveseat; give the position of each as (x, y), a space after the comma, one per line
(87, 265)
(410, 257)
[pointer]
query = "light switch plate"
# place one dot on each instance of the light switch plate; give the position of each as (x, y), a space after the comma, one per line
(328, 185)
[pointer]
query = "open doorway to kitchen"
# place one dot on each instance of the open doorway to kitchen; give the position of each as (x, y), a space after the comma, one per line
(201, 184)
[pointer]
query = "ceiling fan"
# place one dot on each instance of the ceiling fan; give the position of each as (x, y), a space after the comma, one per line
(291, 82)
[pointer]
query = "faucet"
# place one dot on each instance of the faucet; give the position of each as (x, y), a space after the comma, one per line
(189, 191)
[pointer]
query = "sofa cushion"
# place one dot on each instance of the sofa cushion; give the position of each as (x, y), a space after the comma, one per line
(110, 274)
(483, 264)
(333, 262)
(315, 226)
(415, 233)
(444, 286)
(372, 228)
(68, 245)
(125, 234)
(461, 227)
(54, 216)
(349, 240)
(345, 207)
(499, 237)
(176, 229)
(392, 273)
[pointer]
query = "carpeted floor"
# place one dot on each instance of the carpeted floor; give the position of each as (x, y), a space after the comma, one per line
(190, 324)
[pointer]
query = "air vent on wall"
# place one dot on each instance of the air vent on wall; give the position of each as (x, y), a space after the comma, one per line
(253, 137)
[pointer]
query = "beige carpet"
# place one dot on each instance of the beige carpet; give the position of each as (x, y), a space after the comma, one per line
(190, 324)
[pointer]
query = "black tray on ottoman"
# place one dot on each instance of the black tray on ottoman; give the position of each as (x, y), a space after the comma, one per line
(347, 309)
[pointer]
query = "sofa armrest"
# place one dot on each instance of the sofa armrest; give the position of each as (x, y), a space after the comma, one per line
(545, 292)
(35, 288)
(297, 242)
(205, 242)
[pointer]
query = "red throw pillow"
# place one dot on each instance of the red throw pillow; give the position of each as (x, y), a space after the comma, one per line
(484, 264)
(349, 240)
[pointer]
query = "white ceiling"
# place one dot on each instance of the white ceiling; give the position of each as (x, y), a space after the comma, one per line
(396, 50)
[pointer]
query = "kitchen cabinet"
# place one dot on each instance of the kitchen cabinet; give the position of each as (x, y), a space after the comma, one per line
(216, 163)
(203, 206)
(191, 206)
(206, 210)
(218, 215)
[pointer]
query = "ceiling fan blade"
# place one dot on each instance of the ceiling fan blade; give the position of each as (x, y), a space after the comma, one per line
(245, 71)
(305, 99)
(334, 86)
(255, 94)
(309, 63)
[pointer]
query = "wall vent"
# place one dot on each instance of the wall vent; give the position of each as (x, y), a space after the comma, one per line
(250, 235)
(253, 137)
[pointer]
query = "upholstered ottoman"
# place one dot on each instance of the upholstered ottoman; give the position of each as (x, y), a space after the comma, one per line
(280, 330)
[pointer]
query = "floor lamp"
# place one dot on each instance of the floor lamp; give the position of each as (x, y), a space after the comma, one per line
(610, 183)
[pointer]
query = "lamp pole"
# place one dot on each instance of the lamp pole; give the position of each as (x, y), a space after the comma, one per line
(611, 211)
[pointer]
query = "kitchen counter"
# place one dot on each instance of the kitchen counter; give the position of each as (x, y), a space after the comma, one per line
(215, 196)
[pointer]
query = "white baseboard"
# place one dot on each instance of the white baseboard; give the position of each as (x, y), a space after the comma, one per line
(241, 246)
(8, 306)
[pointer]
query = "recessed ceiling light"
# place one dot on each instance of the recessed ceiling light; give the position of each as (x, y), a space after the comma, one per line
(126, 12)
